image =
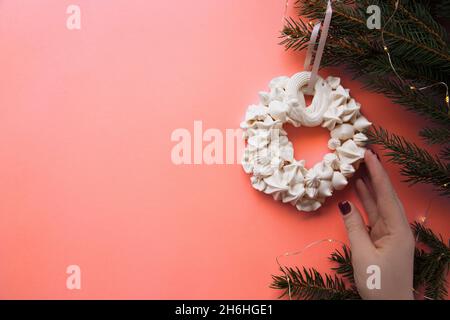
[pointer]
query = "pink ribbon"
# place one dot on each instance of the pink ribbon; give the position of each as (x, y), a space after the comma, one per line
(320, 48)
(312, 43)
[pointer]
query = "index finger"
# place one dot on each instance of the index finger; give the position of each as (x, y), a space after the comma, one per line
(387, 202)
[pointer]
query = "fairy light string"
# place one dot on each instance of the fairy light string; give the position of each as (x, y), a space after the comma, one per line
(300, 252)
(412, 87)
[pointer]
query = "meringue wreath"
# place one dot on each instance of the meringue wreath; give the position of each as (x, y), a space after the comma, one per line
(269, 155)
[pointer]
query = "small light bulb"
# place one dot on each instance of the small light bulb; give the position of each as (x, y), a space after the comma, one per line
(446, 99)
(385, 48)
(412, 88)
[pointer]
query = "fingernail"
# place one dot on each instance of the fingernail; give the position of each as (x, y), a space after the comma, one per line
(344, 207)
(376, 154)
(363, 167)
(364, 179)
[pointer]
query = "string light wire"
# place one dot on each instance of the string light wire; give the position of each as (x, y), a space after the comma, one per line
(300, 252)
(411, 85)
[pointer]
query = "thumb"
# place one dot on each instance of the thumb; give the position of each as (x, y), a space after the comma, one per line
(356, 229)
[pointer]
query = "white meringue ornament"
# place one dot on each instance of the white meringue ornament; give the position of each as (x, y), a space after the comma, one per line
(343, 132)
(360, 139)
(278, 110)
(308, 205)
(332, 160)
(332, 117)
(325, 188)
(333, 143)
(361, 124)
(347, 169)
(339, 181)
(269, 155)
(350, 111)
(349, 152)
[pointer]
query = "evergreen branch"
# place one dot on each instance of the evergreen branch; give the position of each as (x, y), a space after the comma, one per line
(431, 268)
(344, 261)
(441, 9)
(411, 100)
(399, 39)
(309, 284)
(430, 273)
(437, 32)
(372, 70)
(294, 34)
(378, 64)
(445, 154)
(436, 135)
(417, 164)
(436, 288)
(366, 44)
(434, 242)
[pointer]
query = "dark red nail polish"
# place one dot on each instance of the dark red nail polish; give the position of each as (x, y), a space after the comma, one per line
(376, 154)
(345, 207)
(364, 179)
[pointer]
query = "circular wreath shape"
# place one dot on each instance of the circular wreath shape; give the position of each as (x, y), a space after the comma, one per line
(269, 155)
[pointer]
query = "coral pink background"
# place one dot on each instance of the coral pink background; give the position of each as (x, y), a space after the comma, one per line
(86, 176)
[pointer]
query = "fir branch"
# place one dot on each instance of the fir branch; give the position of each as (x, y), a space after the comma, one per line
(445, 154)
(441, 9)
(294, 34)
(344, 263)
(400, 93)
(378, 65)
(431, 268)
(417, 164)
(351, 20)
(309, 284)
(415, 11)
(352, 41)
(430, 273)
(411, 100)
(436, 135)
(414, 21)
(429, 238)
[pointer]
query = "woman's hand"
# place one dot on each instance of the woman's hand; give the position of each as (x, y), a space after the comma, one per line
(387, 242)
